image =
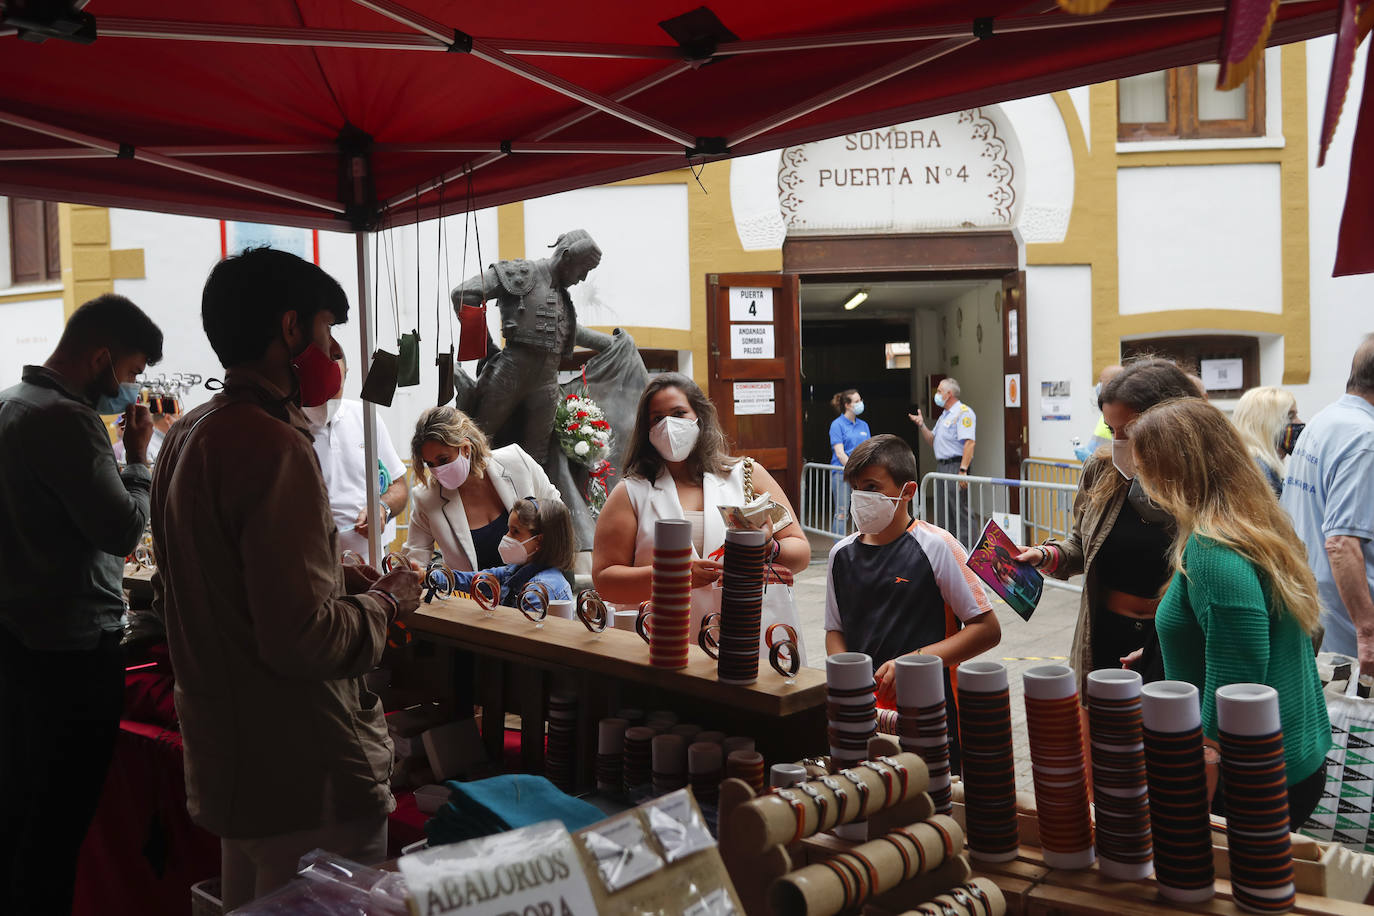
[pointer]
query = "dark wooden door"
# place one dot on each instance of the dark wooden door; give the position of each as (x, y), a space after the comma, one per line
(1017, 435)
(755, 369)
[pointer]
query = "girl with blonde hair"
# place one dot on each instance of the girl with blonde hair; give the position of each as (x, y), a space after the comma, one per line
(1242, 603)
(1267, 420)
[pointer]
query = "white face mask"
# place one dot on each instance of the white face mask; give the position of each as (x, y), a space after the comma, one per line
(939, 399)
(675, 437)
(1123, 458)
(514, 552)
(324, 414)
(451, 476)
(872, 512)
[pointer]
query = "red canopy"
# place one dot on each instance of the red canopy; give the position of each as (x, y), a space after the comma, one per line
(240, 110)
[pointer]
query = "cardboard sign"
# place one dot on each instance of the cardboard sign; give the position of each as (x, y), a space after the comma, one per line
(751, 341)
(532, 870)
(753, 398)
(751, 303)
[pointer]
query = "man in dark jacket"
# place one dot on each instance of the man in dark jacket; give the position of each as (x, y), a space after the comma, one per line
(68, 517)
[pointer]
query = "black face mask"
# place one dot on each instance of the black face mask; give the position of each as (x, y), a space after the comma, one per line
(1147, 508)
(1288, 439)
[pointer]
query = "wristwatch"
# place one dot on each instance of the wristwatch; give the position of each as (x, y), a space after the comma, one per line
(386, 513)
(963, 470)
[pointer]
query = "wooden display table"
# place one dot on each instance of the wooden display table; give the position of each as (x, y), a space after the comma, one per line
(611, 669)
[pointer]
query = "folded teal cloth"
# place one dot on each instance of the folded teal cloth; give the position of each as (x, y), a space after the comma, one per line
(502, 803)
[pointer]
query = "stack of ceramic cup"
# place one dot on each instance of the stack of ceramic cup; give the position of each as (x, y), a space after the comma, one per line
(1121, 798)
(1058, 767)
(610, 754)
(737, 743)
(671, 597)
(1254, 776)
(638, 770)
(922, 721)
(989, 767)
(1180, 816)
(705, 769)
(852, 711)
(741, 606)
(782, 775)
(686, 730)
(661, 720)
(746, 765)
(560, 748)
(669, 763)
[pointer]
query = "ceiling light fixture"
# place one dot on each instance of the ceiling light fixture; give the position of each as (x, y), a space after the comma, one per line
(859, 298)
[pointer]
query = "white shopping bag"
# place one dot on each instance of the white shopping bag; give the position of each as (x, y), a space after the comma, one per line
(1345, 812)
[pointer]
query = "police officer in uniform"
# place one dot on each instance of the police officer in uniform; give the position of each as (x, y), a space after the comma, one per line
(953, 441)
(539, 323)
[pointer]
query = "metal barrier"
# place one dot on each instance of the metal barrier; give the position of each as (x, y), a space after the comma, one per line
(824, 505)
(943, 500)
(1052, 511)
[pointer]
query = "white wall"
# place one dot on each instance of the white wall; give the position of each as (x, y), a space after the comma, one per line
(643, 279)
(28, 333)
(1059, 347)
(979, 373)
(1200, 237)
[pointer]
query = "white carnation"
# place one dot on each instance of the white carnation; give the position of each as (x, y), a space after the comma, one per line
(582, 448)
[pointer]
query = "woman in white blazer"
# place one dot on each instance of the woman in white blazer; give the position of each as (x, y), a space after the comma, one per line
(465, 491)
(677, 467)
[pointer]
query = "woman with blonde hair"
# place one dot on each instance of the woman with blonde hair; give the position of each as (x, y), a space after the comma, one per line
(1267, 420)
(1242, 603)
(465, 491)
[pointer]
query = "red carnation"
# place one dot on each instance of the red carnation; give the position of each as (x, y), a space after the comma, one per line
(581, 415)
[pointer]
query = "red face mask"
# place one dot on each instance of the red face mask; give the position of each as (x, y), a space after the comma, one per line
(318, 376)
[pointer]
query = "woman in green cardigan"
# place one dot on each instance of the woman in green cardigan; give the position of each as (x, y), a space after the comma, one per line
(1243, 603)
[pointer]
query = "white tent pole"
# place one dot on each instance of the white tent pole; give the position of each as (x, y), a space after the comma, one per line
(367, 335)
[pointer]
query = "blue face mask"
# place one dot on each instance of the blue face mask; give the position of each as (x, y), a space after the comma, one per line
(128, 394)
(858, 408)
(939, 399)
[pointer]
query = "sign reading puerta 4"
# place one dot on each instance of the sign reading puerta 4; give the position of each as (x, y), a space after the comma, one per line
(957, 171)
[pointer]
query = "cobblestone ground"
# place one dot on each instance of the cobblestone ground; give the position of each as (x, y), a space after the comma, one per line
(1043, 639)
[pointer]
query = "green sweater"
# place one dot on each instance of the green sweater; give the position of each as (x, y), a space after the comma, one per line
(1215, 629)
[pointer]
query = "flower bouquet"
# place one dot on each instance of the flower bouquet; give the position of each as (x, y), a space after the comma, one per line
(585, 437)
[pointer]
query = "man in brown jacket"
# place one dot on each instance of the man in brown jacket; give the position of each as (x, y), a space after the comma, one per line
(285, 747)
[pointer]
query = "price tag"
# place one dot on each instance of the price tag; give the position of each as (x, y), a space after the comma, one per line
(531, 870)
(751, 303)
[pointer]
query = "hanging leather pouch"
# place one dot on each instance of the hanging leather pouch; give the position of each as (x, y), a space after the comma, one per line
(380, 385)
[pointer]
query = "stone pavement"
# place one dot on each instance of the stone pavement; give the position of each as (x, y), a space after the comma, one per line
(1044, 639)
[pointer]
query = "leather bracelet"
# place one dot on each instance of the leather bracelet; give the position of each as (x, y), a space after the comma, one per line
(822, 805)
(901, 851)
(798, 811)
(901, 774)
(886, 776)
(841, 799)
(591, 610)
(981, 896)
(390, 599)
(394, 561)
(863, 791)
(534, 602)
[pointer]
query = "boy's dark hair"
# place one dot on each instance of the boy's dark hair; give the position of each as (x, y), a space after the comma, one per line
(246, 295)
(886, 451)
(115, 322)
(550, 518)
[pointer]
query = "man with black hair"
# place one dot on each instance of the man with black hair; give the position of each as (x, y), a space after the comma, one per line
(285, 747)
(68, 517)
(1329, 494)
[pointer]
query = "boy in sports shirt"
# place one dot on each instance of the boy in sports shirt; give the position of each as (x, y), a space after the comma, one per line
(888, 585)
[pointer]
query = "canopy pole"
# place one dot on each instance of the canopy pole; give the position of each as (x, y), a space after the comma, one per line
(367, 340)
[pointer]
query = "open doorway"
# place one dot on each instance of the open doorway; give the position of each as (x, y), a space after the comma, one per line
(893, 345)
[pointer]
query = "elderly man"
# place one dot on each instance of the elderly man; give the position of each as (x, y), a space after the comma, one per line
(539, 323)
(68, 517)
(1329, 494)
(953, 439)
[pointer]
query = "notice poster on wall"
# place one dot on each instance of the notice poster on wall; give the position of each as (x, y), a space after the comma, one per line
(751, 341)
(1222, 374)
(751, 303)
(1011, 386)
(754, 398)
(1055, 401)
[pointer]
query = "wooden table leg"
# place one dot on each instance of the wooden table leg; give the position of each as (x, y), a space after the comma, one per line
(491, 695)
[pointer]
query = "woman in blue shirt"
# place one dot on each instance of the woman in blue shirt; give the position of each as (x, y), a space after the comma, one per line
(846, 432)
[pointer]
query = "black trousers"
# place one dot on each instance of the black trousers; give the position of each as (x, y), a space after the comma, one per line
(59, 715)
